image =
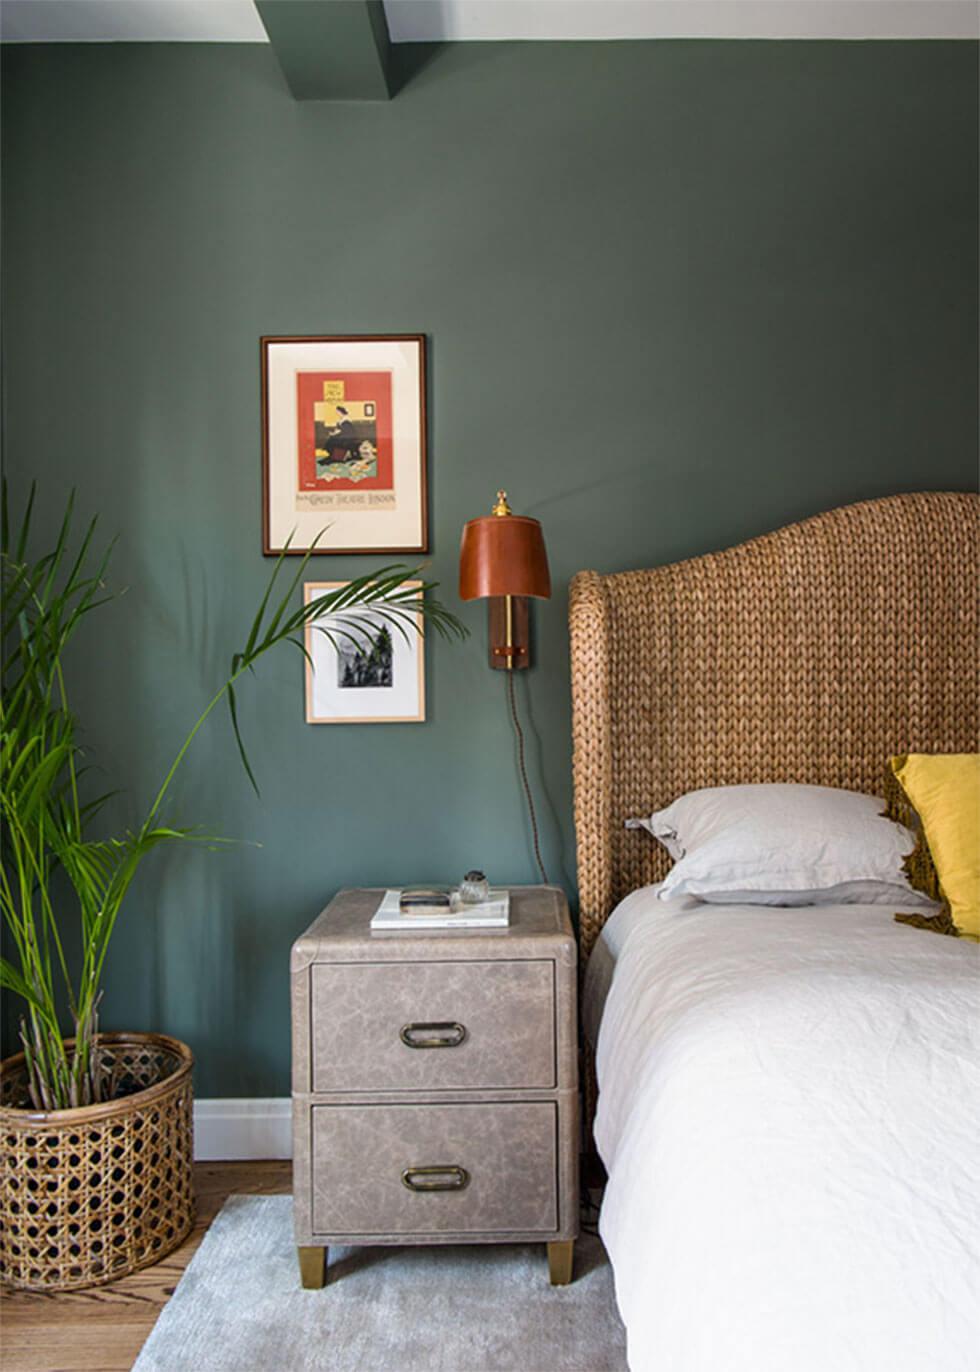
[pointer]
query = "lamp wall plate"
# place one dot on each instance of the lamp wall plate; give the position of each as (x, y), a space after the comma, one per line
(497, 631)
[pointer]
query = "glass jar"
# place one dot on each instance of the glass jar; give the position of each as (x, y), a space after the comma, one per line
(474, 889)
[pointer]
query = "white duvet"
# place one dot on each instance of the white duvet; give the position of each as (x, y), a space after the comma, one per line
(789, 1112)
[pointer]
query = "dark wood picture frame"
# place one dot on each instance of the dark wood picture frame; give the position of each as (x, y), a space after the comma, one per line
(271, 549)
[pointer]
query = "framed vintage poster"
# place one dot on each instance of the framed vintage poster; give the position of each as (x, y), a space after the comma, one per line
(343, 445)
(362, 667)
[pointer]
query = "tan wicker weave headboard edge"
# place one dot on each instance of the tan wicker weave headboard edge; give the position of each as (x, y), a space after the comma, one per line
(809, 654)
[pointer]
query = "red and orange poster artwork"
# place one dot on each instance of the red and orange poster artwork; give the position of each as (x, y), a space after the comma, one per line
(344, 432)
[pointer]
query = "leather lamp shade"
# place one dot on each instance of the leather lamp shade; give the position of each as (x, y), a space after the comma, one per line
(503, 555)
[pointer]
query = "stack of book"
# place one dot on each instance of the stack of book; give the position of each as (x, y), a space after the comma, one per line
(440, 909)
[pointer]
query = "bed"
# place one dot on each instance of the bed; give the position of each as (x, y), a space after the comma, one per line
(787, 1098)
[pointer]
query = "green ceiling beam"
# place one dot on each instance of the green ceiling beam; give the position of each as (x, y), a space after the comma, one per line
(331, 49)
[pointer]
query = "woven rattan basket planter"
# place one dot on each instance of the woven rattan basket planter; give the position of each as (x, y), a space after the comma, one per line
(94, 1193)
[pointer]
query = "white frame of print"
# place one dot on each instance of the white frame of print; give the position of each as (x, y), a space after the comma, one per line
(323, 653)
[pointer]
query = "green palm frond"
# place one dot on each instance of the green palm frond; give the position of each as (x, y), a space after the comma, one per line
(45, 818)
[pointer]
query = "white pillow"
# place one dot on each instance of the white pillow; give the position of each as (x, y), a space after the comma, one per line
(783, 845)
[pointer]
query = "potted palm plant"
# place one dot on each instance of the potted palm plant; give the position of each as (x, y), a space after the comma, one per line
(95, 1179)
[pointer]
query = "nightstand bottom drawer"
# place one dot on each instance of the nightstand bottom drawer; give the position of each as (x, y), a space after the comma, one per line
(434, 1169)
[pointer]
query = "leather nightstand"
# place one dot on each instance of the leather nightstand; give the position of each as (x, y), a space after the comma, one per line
(435, 1082)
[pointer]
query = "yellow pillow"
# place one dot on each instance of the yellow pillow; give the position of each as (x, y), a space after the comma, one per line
(944, 790)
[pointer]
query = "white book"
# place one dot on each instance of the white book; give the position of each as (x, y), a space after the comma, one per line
(489, 914)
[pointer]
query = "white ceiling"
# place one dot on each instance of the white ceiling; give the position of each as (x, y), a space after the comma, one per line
(130, 21)
(237, 21)
(423, 20)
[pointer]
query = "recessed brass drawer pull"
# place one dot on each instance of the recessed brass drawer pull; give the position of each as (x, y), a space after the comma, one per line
(451, 1178)
(444, 1034)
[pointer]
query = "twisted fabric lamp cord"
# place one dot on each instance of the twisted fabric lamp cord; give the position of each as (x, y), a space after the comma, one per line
(523, 770)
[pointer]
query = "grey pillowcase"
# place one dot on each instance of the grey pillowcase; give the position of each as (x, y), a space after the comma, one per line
(847, 893)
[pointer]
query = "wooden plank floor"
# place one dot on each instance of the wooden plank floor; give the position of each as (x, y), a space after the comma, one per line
(104, 1328)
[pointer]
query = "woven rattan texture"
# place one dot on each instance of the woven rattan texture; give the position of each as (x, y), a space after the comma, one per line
(92, 1194)
(812, 654)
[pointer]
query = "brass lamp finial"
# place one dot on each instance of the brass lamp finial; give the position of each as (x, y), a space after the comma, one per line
(501, 507)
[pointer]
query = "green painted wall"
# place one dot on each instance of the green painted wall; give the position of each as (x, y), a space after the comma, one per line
(677, 294)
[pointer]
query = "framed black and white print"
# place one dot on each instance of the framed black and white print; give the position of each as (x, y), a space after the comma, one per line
(343, 444)
(362, 668)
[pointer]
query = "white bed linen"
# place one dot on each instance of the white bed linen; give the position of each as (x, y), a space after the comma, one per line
(789, 1112)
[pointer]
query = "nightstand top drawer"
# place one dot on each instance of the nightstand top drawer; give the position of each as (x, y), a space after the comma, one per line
(539, 927)
(430, 1026)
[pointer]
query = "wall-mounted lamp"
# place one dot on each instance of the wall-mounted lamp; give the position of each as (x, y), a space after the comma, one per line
(502, 558)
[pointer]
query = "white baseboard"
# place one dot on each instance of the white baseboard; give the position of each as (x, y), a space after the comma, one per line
(229, 1130)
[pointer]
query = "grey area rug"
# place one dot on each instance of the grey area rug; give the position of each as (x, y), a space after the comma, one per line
(239, 1307)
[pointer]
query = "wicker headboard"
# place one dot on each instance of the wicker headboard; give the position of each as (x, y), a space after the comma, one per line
(810, 655)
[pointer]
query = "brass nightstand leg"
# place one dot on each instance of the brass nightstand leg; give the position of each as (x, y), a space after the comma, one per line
(560, 1261)
(312, 1267)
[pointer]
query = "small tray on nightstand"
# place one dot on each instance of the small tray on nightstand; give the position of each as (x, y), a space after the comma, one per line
(490, 914)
